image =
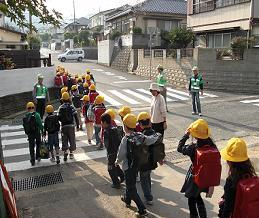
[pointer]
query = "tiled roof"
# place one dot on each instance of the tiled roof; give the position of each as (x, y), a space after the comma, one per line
(162, 6)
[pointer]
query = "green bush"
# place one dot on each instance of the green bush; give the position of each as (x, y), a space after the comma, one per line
(180, 37)
(137, 30)
(114, 34)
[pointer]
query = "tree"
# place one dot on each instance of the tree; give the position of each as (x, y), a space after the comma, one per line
(34, 41)
(83, 37)
(180, 37)
(45, 37)
(69, 35)
(15, 10)
(75, 39)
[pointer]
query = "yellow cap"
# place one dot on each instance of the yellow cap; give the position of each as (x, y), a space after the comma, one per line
(80, 79)
(64, 89)
(124, 111)
(99, 99)
(144, 116)
(235, 151)
(85, 98)
(88, 70)
(49, 109)
(92, 87)
(112, 113)
(85, 85)
(130, 120)
(87, 77)
(65, 96)
(76, 75)
(83, 76)
(74, 87)
(199, 129)
(30, 104)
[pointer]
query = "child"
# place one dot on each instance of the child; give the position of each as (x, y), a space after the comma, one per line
(112, 113)
(88, 80)
(93, 93)
(86, 89)
(80, 86)
(99, 109)
(52, 126)
(112, 142)
(240, 167)
(88, 124)
(33, 127)
(201, 132)
(76, 100)
(91, 75)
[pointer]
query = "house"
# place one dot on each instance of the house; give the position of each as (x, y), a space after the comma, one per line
(12, 39)
(216, 22)
(75, 27)
(158, 14)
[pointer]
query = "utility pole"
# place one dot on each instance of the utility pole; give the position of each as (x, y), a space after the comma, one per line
(74, 16)
(30, 27)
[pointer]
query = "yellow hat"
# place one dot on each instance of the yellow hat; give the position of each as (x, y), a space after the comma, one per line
(83, 76)
(85, 85)
(130, 120)
(64, 89)
(80, 79)
(85, 98)
(199, 129)
(76, 75)
(92, 87)
(74, 87)
(112, 113)
(49, 109)
(65, 96)
(99, 99)
(88, 70)
(30, 105)
(235, 151)
(87, 77)
(144, 116)
(124, 111)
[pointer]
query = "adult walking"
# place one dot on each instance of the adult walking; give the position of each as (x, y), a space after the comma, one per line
(158, 109)
(195, 87)
(40, 96)
(162, 81)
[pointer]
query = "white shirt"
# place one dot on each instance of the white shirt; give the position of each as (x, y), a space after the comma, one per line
(158, 109)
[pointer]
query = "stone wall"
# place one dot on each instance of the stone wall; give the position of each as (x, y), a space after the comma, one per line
(105, 51)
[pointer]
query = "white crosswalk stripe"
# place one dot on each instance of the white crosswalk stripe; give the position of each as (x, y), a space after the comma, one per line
(148, 93)
(252, 101)
(110, 99)
(137, 95)
(123, 97)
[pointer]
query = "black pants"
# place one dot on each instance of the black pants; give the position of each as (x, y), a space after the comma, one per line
(40, 108)
(131, 190)
(34, 139)
(197, 203)
(115, 173)
(159, 127)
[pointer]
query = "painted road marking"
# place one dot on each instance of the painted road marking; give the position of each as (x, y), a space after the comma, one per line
(176, 96)
(149, 93)
(98, 70)
(142, 97)
(123, 97)
(121, 77)
(250, 101)
(7, 127)
(109, 73)
(134, 81)
(177, 91)
(10, 134)
(109, 99)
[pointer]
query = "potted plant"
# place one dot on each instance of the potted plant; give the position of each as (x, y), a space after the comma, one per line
(238, 46)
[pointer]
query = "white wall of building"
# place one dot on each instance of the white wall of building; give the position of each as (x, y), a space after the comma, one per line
(105, 50)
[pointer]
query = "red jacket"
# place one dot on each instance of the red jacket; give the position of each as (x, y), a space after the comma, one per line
(92, 96)
(65, 77)
(138, 128)
(98, 111)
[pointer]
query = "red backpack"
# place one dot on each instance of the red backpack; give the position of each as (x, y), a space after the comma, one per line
(207, 167)
(247, 199)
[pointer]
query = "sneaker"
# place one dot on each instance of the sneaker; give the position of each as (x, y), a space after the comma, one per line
(52, 159)
(200, 114)
(33, 163)
(137, 178)
(38, 159)
(65, 157)
(89, 142)
(71, 156)
(194, 113)
(116, 186)
(81, 128)
(149, 203)
(57, 160)
(141, 213)
(100, 147)
(123, 200)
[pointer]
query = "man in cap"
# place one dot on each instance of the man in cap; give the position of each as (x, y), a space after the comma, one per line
(195, 87)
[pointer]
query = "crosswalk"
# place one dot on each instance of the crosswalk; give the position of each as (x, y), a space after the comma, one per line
(253, 101)
(142, 96)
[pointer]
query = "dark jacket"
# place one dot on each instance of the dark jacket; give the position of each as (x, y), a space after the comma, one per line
(51, 124)
(111, 142)
(76, 99)
(66, 107)
(189, 187)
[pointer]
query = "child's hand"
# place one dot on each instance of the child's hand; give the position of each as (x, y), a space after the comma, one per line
(187, 132)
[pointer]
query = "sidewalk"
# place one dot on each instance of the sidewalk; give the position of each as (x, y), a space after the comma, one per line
(86, 192)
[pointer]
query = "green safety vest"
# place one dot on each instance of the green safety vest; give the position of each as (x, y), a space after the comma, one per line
(195, 83)
(161, 79)
(41, 91)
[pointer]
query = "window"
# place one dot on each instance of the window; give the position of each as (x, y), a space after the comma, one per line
(211, 41)
(222, 40)
(218, 41)
(226, 40)
(224, 3)
(203, 6)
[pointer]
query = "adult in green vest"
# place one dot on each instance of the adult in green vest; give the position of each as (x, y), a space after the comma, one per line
(162, 81)
(195, 87)
(40, 96)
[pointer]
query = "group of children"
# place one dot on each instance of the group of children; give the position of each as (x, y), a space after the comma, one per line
(122, 142)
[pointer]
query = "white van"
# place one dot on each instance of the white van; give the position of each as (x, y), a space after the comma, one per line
(72, 54)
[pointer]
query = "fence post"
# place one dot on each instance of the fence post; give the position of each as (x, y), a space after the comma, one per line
(1, 150)
(49, 61)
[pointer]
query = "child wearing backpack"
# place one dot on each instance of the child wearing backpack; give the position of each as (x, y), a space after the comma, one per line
(92, 93)
(111, 143)
(89, 125)
(99, 109)
(76, 100)
(33, 127)
(52, 127)
(241, 189)
(86, 89)
(193, 183)
(133, 153)
(80, 85)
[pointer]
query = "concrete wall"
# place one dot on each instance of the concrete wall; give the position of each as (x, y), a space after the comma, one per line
(105, 50)
(7, 36)
(91, 53)
(256, 9)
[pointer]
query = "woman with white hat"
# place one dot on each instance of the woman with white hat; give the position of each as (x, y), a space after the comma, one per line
(158, 109)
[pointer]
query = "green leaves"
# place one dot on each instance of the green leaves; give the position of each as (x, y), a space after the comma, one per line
(180, 37)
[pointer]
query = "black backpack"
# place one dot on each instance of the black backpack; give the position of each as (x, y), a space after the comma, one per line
(52, 123)
(66, 114)
(30, 124)
(137, 152)
(76, 99)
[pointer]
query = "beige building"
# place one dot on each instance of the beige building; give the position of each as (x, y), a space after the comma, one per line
(11, 39)
(216, 22)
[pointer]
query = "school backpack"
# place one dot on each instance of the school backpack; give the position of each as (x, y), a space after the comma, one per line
(158, 152)
(58, 81)
(120, 132)
(90, 113)
(247, 198)
(207, 167)
(52, 123)
(30, 124)
(66, 114)
(137, 151)
(76, 99)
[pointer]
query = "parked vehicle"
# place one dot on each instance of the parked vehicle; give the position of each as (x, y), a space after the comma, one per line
(72, 54)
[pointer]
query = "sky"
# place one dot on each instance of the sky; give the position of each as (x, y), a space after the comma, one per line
(86, 8)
